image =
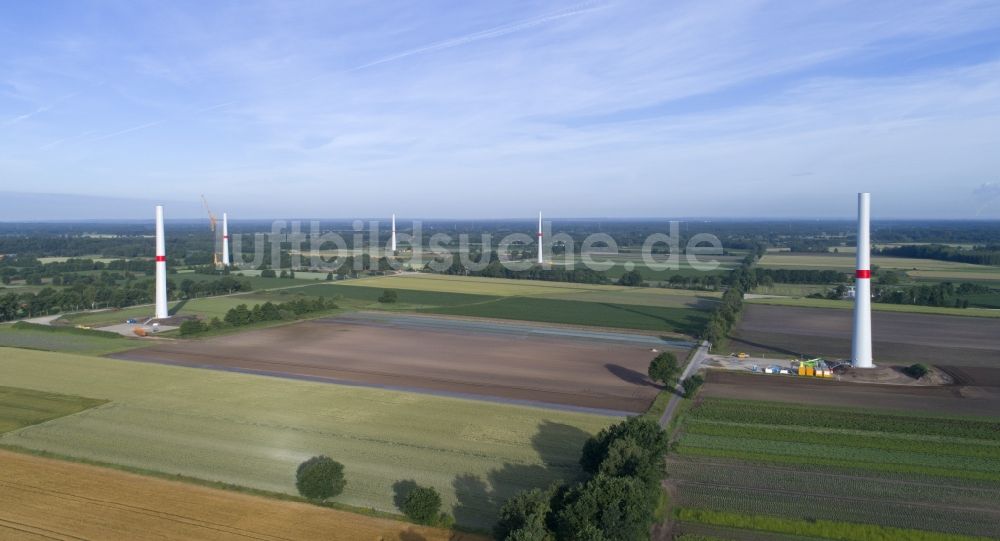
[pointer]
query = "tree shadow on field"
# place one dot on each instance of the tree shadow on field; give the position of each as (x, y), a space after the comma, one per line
(630, 376)
(411, 535)
(558, 447)
(400, 490)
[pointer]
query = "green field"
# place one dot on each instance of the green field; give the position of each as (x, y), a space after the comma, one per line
(878, 306)
(916, 269)
(67, 339)
(25, 407)
(206, 307)
(626, 316)
(253, 431)
(802, 463)
(647, 309)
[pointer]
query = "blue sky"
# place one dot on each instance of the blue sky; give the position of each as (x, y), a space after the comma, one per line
(498, 109)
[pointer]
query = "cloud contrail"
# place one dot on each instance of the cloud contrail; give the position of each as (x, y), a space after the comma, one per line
(490, 33)
(494, 32)
(40, 110)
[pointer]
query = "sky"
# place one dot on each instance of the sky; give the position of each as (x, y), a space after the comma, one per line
(631, 108)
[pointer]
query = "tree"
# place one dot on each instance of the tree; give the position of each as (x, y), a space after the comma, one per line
(916, 371)
(268, 273)
(631, 278)
(664, 368)
(192, 326)
(647, 435)
(320, 478)
(606, 507)
(524, 515)
(388, 296)
(423, 505)
(692, 384)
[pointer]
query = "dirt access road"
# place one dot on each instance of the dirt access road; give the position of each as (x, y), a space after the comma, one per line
(536, 364)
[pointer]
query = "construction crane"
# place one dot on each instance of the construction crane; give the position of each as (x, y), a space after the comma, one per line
(216, 260)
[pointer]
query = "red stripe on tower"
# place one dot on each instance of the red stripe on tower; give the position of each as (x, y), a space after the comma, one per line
(161, 258)
(863, 273)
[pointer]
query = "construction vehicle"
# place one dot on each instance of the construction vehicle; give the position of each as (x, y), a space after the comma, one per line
(139, 331)
(742, 355)
(815, 368)
(216, 258)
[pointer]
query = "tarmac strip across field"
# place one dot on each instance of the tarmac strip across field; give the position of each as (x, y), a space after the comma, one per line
(548, 366)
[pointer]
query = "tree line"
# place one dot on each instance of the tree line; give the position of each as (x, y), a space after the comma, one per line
(242, 315)
(108, 294)
(617, 498)
(982, 255)
(800, 276)
(740, 280)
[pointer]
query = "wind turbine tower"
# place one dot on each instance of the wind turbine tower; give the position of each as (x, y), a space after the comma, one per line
(161, 267)
(541, 260)
(393, 241)
(861, 346)
(225, 240)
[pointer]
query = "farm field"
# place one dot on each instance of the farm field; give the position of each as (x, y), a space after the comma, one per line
(50, 499)
(66, 339)
(664, 319)
(893, 469)
(253, 431)
(500, 287)
(24, 407)
(877, 306)
(929, 269)
(902, 338)
(977, 398)
(205, 307)
(551, 366)
(646, 309)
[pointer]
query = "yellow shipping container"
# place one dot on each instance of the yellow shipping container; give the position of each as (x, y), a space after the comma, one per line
(802, 370)
(809, 370)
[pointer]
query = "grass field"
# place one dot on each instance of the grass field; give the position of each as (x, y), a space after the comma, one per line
(917, 269)
(803, 463)
(648, 309)
(71, 340)
(42, 498)
(647, 318)
(253, 431)
(25, 407)
(205, 307)
(884, 307)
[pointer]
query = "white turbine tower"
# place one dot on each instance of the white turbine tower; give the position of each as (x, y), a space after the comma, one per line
(393, 232)
(225, 240)
(541, 260)
(861, 347)
(161, 267)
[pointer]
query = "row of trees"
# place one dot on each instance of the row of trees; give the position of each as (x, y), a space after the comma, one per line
(321, 478)
(800, 276)
(741, 280)
(983, 255)
(107, 293)
(942, 294)
(495, 269)
(617, 499)
(243, 315)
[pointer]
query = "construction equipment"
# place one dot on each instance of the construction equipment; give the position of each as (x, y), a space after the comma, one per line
(216, 259)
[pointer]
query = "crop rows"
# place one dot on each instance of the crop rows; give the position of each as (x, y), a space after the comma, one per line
(817, 507)
(857, 439)
(768, 413)
(761, 459)
(847, 484)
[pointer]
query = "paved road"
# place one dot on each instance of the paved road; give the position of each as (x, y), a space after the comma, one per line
(692, 367)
